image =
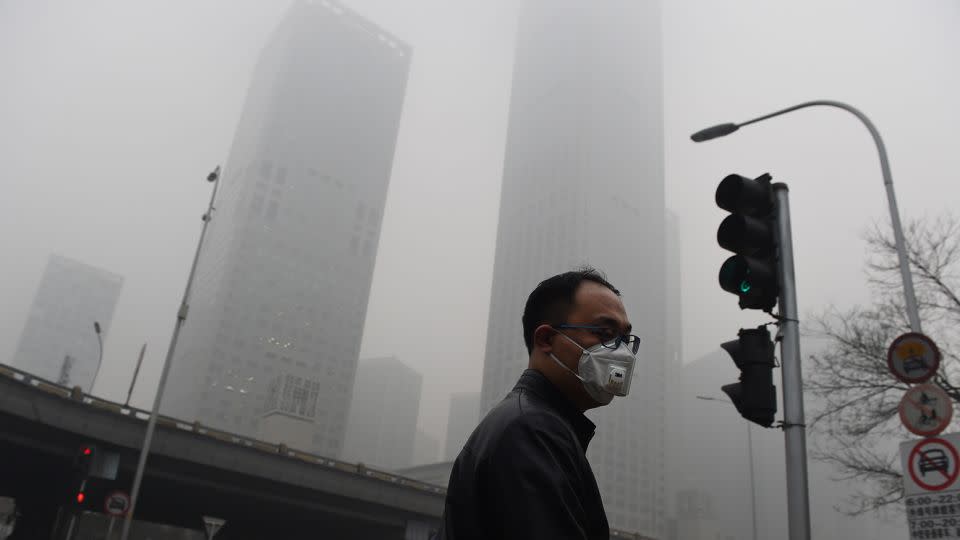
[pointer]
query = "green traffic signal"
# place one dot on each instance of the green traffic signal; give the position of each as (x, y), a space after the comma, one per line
(749, 233)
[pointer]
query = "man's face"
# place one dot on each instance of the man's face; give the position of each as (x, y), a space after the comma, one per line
(593, 305)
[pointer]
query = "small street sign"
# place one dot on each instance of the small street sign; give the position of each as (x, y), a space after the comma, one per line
(116, 503)
(932, 493)
(926, 410)
(212, 525)
(913, 358)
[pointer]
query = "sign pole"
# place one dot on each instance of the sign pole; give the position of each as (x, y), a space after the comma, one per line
(794, 427)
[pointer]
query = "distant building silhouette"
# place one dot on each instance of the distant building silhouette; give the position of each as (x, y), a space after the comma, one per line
(58, 341)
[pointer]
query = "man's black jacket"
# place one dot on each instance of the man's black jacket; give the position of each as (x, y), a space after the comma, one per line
(523, 474)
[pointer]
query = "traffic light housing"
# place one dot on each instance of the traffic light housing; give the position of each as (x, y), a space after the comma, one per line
(94, 473)
(751, 273)
(755, 396)
(83, 462)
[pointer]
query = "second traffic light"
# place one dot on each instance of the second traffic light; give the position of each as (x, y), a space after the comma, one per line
(748, 231)
(94, 471)
(83, 462)
(755, 396)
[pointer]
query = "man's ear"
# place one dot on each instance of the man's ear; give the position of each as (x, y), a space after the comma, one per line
(543, 338)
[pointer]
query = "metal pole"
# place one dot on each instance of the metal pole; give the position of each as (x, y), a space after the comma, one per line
(909, 296)
(753, 489)
(99, 358)
(794, 428)
(753, 492)
(136, 371)
(73, 523)
(181, 317)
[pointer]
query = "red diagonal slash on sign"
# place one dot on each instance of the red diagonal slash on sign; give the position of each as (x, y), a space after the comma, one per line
(950, 457)
(925, 409)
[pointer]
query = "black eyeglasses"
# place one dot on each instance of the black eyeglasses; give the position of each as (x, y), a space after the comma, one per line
(608, 337)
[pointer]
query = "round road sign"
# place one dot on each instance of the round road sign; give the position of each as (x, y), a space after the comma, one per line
(913, 358)
(117, 503)
(934, 464)
(926, 410)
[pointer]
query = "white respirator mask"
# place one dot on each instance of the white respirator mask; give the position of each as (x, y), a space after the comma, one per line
(605, 370)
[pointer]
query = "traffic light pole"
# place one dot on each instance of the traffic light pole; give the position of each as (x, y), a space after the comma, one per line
(794, 426)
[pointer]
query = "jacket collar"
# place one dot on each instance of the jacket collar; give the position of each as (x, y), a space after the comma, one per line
(538, 384)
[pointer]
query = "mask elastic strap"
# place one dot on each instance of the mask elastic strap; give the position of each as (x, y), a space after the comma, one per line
(564, 366)
(570, 339)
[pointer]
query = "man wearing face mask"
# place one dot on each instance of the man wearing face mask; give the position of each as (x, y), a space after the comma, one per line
(523, 473)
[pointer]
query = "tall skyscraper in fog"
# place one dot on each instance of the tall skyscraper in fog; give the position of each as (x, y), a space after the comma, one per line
(583, 184)
(426, 449)
(463, 418)
(281, 292)
(58, 342)
(382, 429)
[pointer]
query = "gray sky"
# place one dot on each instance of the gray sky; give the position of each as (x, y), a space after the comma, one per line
(112, 113)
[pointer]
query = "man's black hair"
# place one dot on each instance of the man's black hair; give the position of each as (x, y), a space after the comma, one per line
(552, 300)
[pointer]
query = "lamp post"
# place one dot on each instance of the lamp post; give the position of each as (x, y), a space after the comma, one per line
(96, 328)
(753, 492)
(910, 299)
(136, 371)
(181, 318)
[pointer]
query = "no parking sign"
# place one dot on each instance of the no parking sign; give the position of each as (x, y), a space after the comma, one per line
(930, 470)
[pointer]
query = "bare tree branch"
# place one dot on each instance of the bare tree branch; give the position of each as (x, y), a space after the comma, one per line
(859, 398)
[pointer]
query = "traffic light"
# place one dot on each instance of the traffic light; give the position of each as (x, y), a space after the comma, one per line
(748, 232)
(83, 463)
(755, 396)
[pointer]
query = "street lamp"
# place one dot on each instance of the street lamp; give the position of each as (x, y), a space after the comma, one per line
(213, 177)
(721, 130)
(96, 328)
(753, 492)
(136, 371)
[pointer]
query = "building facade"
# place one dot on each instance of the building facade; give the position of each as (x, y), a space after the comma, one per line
(289, 410)
(583, 184)
(284, 277)
(58, 341)
(463, 418)
(382, 429)
(426, 449)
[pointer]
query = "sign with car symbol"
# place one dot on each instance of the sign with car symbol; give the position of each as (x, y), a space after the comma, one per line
(117, 503)
(913, 358)
(931, 491)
